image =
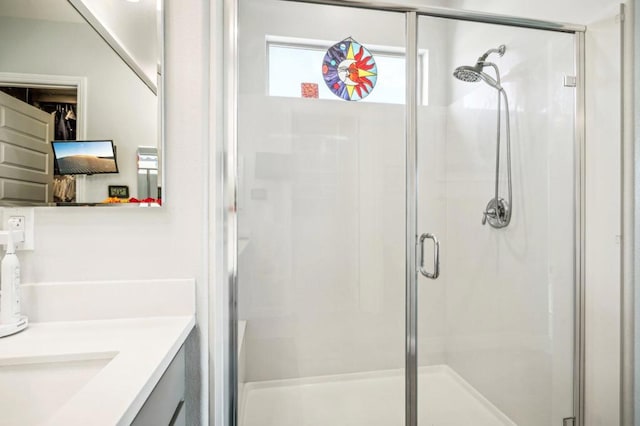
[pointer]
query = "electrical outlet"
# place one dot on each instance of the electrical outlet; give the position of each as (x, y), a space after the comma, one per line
(21, 219)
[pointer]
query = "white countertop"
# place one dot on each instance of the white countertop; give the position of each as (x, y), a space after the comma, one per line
(142, 349)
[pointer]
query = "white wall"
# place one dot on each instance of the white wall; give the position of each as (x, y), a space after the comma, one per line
(75, 244)
(603, 222)
(119, 106)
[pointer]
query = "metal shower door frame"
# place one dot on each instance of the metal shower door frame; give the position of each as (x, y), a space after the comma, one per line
(225, 363)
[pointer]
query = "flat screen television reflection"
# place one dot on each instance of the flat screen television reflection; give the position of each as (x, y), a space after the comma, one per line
(84, 157)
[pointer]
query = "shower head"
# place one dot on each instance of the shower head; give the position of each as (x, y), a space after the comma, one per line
(468, 73)
(472, 74)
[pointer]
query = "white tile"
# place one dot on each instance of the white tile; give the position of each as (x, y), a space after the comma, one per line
(97, 300)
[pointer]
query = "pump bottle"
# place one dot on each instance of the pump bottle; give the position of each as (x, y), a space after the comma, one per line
(11, 320)
(10, 284)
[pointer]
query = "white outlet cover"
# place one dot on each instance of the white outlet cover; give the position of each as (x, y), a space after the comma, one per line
(29, 218)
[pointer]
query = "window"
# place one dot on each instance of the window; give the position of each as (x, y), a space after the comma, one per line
(292, 62)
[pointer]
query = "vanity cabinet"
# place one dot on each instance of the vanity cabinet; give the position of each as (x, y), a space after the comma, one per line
(165, 405)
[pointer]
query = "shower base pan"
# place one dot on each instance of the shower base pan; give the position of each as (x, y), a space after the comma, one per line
(367, 399)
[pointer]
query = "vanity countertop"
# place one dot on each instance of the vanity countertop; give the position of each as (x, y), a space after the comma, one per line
(138, 351)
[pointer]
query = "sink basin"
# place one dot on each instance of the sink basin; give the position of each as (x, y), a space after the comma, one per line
(32, 390)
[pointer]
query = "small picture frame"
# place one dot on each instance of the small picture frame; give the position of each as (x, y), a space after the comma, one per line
(119, 191)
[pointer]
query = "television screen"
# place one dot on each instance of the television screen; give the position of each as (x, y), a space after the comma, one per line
(84, 157)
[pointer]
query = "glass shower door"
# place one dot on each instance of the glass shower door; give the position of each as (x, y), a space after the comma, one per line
(321, 215)
(496, 329)
(325, 250)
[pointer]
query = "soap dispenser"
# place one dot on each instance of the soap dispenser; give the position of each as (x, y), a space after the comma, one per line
(11, 321)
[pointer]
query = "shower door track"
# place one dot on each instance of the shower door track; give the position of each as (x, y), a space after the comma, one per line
(461, 15)
(225, 363)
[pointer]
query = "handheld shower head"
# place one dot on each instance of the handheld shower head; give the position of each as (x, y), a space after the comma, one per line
(468, 73)
(472, 74)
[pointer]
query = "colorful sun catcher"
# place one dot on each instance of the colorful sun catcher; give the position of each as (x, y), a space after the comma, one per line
(349, 70)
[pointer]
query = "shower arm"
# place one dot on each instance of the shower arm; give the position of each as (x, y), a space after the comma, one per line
(499, 50)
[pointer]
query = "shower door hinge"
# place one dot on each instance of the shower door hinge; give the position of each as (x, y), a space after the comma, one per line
(570, 81)
(569, 421)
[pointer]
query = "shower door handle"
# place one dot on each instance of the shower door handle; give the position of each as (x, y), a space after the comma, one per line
(436, 256)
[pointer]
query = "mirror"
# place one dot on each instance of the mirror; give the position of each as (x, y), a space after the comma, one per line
(83, 70)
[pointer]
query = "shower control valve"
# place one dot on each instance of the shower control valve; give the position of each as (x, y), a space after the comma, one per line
(497, 213)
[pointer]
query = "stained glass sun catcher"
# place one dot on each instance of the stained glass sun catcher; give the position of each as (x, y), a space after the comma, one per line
(349, 70)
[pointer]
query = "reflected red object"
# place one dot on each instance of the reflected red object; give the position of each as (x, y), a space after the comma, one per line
(309, 90)
(146, 200)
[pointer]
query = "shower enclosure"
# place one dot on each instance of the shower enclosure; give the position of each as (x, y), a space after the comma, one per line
(336, 206)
